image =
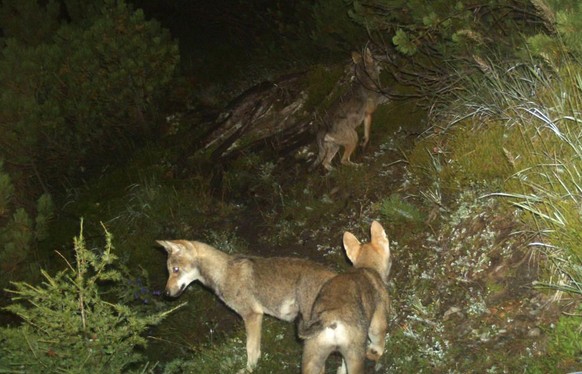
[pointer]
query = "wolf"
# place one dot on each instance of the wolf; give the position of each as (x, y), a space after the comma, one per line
(351, 309)
(347, 113)
(282, 287)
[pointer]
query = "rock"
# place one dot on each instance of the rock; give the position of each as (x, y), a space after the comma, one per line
(451, 310)
(534, 333)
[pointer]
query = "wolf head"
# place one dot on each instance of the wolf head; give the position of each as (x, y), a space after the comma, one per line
(374, 255)
(181, 264)
(366, 69)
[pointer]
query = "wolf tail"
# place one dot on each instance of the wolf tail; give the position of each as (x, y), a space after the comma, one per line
(308, 329)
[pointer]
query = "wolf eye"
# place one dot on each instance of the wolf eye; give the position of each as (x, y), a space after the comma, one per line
(176, 269)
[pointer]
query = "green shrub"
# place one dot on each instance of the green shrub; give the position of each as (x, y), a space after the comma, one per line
(396, 210)
(6, 191)
(29, 12)
(19, 234)
(531, 110)
(68, 326)
(335, 28)
(321, 82)
(83, 94)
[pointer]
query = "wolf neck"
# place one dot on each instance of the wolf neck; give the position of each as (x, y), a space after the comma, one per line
(366, 77)
(212, 267)
(370, 272)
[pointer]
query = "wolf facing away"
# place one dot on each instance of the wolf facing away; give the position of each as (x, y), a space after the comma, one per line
(351, 309)
(349, 111)
(251, 286)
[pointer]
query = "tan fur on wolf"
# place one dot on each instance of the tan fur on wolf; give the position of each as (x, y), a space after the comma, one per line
(349, 111)
(251, 286)
(351, 309)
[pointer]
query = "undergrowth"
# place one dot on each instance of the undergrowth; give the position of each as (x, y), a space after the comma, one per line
(280, 353)
(453, 251)
(68, 324)
(516, 133)
(545, 150)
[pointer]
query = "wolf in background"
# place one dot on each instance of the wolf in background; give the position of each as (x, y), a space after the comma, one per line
(351, 309)
(251, 286)
(354, 107)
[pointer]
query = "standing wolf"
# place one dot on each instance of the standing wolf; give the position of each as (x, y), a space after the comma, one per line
(251, 286)
(351, 309)
(347, 113)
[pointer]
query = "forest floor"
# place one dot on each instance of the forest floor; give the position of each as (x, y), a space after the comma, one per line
(462, 281)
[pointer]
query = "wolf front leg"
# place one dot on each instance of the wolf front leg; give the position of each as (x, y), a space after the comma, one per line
(367, 129)
(253, 324)
(370, 108)
(377, 334)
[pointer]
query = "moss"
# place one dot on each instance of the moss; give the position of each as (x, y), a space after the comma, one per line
(494, 288)
(464, 157)
(427, 159)
(566, 342)
(477, 155)
(392, 117)
(564, 348)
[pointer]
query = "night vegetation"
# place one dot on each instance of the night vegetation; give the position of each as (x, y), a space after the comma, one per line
(474, 168)
(69, 324)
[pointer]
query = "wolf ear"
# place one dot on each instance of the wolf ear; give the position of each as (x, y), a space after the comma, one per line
(379, 237)
(368, 55)
(356, 57)
(169, 246)
(352, 246)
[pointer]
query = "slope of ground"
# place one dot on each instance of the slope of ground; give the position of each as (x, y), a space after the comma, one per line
(462, 277)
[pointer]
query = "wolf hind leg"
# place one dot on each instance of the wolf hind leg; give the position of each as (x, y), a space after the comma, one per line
(321, 150)
(314, 356)
(349, 149)
(331, 149)
(342, 369)
(350, 146)
(355, 360)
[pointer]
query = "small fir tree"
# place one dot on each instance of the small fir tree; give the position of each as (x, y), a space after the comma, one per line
(67, 326)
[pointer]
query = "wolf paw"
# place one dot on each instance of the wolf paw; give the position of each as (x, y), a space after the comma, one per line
(350, 163)
(328, 167)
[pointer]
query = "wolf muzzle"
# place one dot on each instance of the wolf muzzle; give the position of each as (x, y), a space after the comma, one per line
(168, 292)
